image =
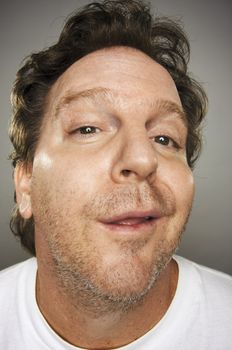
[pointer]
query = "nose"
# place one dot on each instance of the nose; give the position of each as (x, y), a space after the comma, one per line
(136, 158)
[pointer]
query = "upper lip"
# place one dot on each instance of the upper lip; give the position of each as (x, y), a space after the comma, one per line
(152, 214)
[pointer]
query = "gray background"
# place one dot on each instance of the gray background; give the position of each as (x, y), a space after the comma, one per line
(27, 26)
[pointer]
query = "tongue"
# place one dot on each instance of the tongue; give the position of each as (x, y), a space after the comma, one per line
(129, 221)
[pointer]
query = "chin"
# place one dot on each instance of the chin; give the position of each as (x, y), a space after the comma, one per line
(128, 282)
(101, 283)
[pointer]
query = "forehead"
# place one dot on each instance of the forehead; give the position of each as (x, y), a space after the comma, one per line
(126, 71)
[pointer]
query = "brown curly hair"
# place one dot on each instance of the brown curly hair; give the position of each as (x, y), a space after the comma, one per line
(99, 25)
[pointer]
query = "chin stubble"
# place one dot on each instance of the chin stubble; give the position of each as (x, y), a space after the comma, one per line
(85, 293)
(76, 271)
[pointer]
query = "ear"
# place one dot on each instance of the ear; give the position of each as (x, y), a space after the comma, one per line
(22, 180)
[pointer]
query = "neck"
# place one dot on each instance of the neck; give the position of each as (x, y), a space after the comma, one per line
(86, 329)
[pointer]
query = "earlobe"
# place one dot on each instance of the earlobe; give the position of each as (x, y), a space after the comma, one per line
(22, 179)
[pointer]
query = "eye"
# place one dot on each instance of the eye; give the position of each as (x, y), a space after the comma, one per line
(166, 141)
(86, 130)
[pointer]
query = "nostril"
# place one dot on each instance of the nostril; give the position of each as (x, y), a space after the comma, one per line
(126, 173)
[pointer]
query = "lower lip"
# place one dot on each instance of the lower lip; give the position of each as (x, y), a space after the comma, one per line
(142, 228)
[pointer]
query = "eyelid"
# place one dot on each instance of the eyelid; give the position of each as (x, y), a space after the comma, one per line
(172, 127)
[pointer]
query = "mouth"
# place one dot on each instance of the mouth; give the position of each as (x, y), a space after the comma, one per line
(132, 220)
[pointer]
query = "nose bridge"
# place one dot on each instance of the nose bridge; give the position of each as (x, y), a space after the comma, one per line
(136, 157)
(138, 145)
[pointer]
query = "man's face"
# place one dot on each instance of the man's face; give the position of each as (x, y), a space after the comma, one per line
(111, 189)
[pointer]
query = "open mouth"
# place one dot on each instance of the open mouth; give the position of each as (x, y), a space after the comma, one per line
(133, 219)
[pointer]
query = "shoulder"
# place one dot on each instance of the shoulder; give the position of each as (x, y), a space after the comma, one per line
(207, 275)
(17, 295)
(16, 282)
(16, 274)
(15, 269)
(214, 287)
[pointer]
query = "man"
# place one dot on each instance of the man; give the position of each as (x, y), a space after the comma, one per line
(106, 130)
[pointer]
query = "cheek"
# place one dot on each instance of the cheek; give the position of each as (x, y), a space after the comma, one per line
(179, 178)
(68, 174)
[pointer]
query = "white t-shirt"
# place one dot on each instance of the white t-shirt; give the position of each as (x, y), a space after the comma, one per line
(199, 317)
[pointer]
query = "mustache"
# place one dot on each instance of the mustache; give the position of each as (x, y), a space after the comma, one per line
(129, 198)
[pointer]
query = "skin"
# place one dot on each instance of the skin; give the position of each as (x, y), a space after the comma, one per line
(103, 280)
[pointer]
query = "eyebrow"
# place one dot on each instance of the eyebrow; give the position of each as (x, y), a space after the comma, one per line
(169, 107)
(161, 106)
(89, 94)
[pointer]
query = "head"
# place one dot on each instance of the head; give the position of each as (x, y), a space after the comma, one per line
(125, 74)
